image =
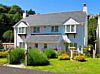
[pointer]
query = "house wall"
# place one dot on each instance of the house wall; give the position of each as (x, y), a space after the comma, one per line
(78, 37)
(47, 29)
(49, 45)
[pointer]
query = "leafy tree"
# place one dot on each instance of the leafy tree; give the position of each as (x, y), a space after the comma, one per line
(8, 35)
(17, 17)
(31, 12)
(92, 25)
(14, 9)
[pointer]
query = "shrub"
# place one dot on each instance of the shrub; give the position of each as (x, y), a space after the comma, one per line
(64, 56)
(80, 57)
(60, 52)
(36, 57)
(3, 54)
(51, 53)
(16, 56)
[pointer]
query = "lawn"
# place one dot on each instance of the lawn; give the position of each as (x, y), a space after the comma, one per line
(91, 66)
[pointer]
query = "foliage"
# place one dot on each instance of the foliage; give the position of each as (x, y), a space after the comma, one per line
(16, 56)
(51, 53)
(31, 12)
(9, 16)
(3, 54)
(92, 25)
(60, 52)
(3, 61)
(36, 57)
(64, 56)
(8, 35)
(88, 50)
(80, 58)
(1, 46)
(98, 55)
(14, 9)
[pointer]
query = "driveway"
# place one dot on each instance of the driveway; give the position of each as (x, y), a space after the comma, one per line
(11, 70)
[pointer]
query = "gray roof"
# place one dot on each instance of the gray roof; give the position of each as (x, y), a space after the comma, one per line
(54, 18)
(43, 38)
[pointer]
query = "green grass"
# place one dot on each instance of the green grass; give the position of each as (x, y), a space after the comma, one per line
(3, 61)
(91, 66)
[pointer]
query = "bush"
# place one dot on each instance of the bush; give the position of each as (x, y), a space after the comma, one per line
(51, 53)
(64, 56)
(3, 54)
(80, 57)
(60, 52)
(16, 56)
(37, 58)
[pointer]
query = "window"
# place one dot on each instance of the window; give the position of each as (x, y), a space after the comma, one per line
(36, 29)
(22, 44)
(22, 30)
(45, 46)
(54, 29)
(36, 45)
(70, 28)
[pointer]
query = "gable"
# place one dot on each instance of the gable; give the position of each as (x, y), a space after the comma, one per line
(21, 24)
(71, 21)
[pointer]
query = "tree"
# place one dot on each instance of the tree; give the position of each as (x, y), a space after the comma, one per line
(31, 12)
(92, 25)
(14, 9)
(17, 17)
(8, 35)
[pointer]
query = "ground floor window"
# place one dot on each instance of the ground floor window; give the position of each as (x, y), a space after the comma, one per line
(45, 45)
(22, 44)
(36, 45)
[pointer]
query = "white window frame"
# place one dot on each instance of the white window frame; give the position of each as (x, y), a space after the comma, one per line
(70, 29)
(21, 30)
(54, 28)
(36, 29)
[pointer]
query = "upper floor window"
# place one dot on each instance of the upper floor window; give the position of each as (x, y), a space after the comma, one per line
(22, 30)
(70, 28)
(54, 29)
(36, 29)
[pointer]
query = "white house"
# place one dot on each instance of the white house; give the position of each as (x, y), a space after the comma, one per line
(52, 30)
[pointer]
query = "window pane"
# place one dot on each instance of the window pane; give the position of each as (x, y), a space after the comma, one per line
(45, 45)
(36, 29)
(36, 45)
(20, 30)
(72, 28)
(52, 29)
(22, 45)
(56, 28)
(68, 28)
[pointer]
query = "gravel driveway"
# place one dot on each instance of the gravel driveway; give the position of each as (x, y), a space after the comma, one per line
(11, 70)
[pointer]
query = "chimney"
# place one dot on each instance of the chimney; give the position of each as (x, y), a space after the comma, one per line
(25, 14)
(85, 8)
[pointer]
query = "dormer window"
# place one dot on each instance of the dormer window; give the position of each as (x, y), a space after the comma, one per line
(54, 29)
(70, 28)
(21, 30)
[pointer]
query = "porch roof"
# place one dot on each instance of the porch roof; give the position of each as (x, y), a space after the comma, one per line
(46, 39)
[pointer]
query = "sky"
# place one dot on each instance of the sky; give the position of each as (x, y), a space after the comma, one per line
(49, 6)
